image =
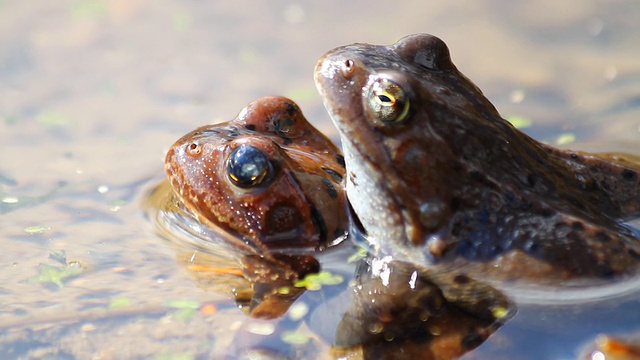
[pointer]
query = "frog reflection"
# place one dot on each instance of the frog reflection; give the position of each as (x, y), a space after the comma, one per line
(400, 311)
(390, 310)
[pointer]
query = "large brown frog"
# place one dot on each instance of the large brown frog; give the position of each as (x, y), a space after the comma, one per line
(437, 177)
(268, 177)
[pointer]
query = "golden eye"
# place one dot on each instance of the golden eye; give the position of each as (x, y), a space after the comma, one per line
(387, 101)
(248, 166)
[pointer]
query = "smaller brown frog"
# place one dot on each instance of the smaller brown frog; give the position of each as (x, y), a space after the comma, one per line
(267, 176)
(267, 187)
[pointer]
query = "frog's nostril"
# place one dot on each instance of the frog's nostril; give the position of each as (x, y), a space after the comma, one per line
(194, 149)
(347, 68)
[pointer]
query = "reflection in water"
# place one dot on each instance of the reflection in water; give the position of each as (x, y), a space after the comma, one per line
(606, 347)
(399, 311)
(264, 287)
(261, 283)
(389, 310)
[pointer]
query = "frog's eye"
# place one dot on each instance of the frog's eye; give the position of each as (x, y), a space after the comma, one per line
(387, 101)
(248, 166)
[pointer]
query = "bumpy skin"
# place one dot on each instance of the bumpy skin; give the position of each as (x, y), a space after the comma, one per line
(298, 202)
(441, 178)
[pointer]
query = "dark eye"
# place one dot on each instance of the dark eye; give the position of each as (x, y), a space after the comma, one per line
(248, 166)
(387, 101)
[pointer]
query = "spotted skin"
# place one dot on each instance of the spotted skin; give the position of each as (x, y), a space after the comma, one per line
(437, 177)
(284, 189)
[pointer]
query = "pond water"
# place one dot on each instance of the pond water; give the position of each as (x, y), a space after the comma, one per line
(93, 92)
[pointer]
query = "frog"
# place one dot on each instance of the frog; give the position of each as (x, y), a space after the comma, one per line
(437, 177)
(268, 177)
(263, 192)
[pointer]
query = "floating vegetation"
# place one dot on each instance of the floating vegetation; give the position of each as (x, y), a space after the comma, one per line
(360, 254)
(566, 138)
(500, 312)
(315, 282)
(54, 274)
(302, 335)
(90, 10)
(295, 337)
(53, 119)
(519, 122)
(36, 229)
(185, 309)
(57, 273)
(183, 304)
(119, 302)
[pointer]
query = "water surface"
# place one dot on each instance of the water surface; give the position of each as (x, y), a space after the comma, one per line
(93, 92)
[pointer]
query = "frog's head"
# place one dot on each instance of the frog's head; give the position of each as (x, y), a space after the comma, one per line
(255, 176)
(391, 89)
(415, 131)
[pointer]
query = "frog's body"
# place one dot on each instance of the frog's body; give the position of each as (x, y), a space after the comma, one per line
(436, 176)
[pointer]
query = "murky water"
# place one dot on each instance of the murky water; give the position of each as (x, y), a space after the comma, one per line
(93, 92)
